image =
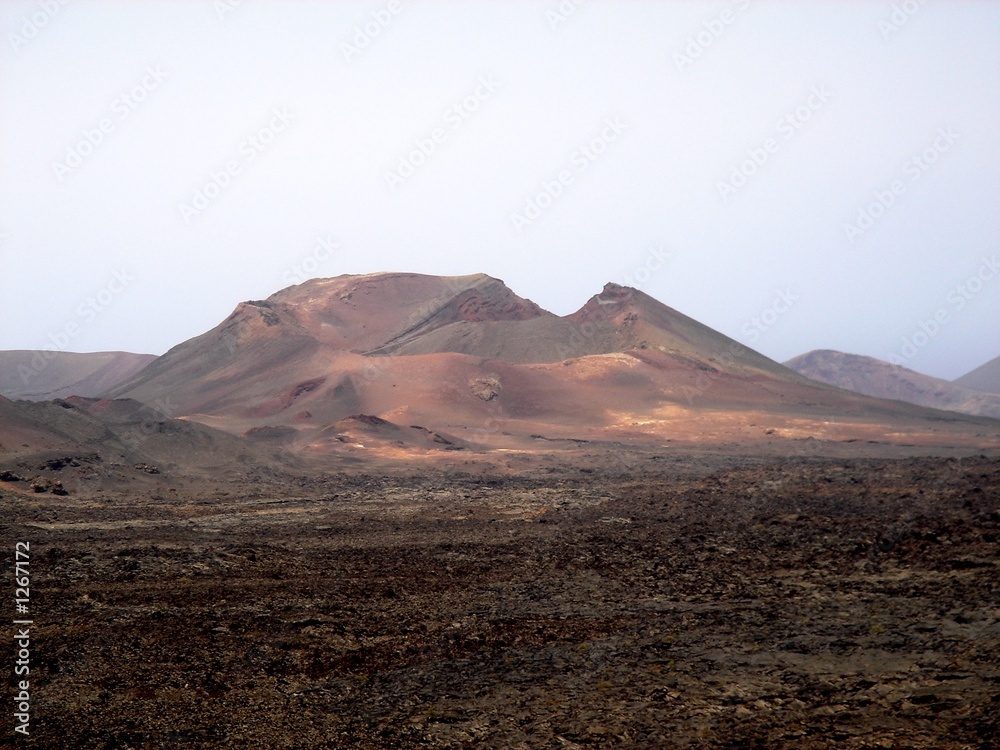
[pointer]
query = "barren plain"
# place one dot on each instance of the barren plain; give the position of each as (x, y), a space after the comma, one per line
(697, 600)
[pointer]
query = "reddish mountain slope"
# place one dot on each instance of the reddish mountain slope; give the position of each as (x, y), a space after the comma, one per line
(618, 319)
(315, 325)
(466, 357)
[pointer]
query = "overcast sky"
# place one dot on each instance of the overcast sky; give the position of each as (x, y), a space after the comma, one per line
(796, 175)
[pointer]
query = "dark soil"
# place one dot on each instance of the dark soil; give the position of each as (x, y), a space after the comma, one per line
(769, 603)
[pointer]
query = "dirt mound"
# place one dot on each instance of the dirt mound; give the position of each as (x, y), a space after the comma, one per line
(366, 431)
(92, 444)
(116, 411)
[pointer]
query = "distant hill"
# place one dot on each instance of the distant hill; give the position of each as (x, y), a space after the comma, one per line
(983, 378)
(873, 377)
(44, 375)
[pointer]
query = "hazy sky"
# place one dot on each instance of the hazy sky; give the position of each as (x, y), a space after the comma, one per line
(796, 175)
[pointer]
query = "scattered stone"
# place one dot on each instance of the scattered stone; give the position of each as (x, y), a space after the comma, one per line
(486, 389)
(674, 608)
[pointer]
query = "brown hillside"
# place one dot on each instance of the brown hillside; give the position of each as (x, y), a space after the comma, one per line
(873, 377)
(464, 356)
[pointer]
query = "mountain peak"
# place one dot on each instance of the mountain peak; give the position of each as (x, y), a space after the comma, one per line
(616, 292)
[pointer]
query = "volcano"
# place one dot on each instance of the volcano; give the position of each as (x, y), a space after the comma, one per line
(465, 356)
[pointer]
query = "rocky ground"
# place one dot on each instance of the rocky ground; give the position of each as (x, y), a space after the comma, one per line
(704, 603)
